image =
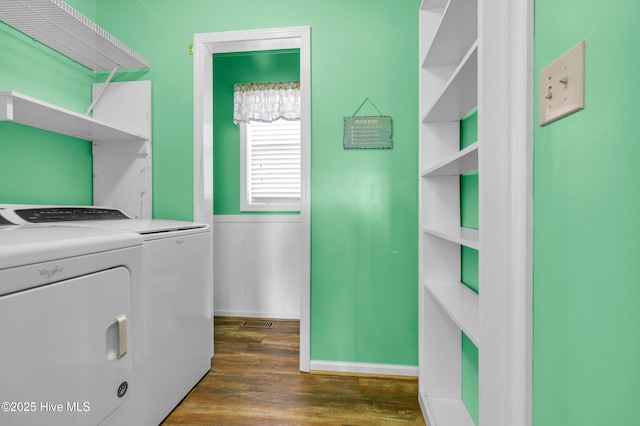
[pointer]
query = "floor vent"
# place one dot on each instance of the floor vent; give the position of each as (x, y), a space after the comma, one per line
(258, 324)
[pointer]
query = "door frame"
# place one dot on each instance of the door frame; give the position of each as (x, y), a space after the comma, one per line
(505, 128)
(207, 44)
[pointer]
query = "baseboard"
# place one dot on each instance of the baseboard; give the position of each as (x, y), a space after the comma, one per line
(364, 368)
(267, 315)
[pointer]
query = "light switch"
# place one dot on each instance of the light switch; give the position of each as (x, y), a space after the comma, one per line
(561, 85)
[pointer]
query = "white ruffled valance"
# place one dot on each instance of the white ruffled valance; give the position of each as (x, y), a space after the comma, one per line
(266, 102)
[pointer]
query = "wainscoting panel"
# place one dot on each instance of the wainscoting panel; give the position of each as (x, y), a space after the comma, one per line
(257, 266)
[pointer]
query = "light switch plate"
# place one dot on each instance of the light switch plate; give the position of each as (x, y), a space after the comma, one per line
(561, 86)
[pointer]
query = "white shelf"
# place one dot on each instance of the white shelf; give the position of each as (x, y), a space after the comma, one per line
(461, 304)
(464, 161)
(445, 411)
(457, 31)
(464, 236)
(32, 112)
(433, 4)
(460, 93)
(56, 24)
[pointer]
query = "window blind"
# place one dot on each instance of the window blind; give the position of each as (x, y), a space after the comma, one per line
(273, 162)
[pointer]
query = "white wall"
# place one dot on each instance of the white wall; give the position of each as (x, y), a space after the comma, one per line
(257, 265)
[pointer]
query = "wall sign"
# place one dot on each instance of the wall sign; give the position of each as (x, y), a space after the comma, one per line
(367, 132)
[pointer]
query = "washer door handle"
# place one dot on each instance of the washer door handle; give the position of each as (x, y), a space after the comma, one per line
(122, 335)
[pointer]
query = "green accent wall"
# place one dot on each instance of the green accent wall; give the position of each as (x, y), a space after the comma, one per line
(364, 203)
(586, 346)
(469, 218)
(39, 167)
(230, 69)
(470, 377)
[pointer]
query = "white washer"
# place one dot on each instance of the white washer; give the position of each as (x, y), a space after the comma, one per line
(178, 298)
(68, 336)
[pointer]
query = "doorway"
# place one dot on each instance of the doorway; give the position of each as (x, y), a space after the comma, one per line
(208, 44)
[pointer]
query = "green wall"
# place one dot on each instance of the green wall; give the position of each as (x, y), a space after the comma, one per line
(230, 69)
(469, 218)
(38, 166)
(363, 203)
(586, 345)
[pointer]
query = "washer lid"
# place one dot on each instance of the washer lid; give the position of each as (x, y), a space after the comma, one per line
(24, 245)
(152, 226)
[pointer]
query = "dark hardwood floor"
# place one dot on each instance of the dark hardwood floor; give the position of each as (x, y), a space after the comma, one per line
(254, 380)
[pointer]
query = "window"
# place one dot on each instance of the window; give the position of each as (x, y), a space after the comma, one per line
(270, 166)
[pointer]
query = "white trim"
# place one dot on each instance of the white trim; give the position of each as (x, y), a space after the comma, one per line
(244, 202)
(256, 218)
(206, 45)
(505, 130)
(366, 368)
(266, 315)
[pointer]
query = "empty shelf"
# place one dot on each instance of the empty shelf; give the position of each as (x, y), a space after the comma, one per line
(56, 24)
(461, 304)
(464, 236)
(464, 161)
(460, 94)
(433, 4)
(457, 31)
(32, 112)
(445, 411)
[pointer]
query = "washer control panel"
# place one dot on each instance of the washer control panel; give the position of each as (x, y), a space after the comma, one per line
(68, 214)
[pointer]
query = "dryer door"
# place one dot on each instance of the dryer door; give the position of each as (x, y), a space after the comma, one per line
(63, 358)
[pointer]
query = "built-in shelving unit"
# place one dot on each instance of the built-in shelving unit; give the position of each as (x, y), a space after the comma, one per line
(448, 92)
(32, 112)
(56, 24)
(475, 54)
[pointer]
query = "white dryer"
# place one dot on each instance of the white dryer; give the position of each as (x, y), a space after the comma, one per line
(178, 298)
(68, 338)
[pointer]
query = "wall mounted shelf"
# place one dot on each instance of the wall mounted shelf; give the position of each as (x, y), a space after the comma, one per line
(56, 24)
(32, 112)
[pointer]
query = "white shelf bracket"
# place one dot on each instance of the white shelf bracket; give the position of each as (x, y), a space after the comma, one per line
(104, 89)
(6, 108)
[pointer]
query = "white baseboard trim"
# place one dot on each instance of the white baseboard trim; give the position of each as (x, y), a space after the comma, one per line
(362, 367)
(267, 315)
